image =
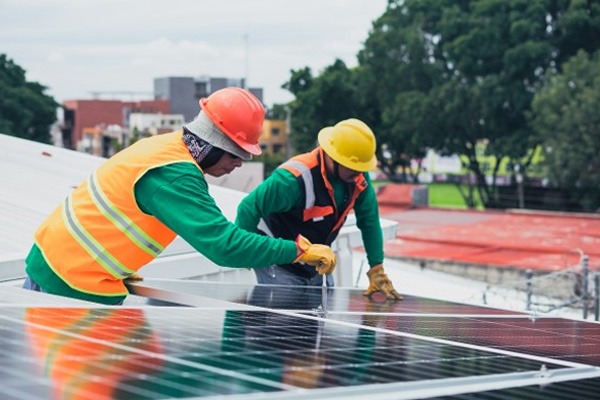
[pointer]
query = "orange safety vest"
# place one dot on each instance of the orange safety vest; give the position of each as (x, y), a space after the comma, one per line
(99, 236)
(320, 219)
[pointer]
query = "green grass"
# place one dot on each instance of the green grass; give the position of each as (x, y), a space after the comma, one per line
(447, 195)
(443, 195)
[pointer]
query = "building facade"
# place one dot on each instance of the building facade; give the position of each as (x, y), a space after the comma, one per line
(183, 93)
(154, 124)
(81, 114)
(101, 127)
(274, 137)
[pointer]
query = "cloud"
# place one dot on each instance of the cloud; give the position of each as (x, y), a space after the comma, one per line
(75, 47)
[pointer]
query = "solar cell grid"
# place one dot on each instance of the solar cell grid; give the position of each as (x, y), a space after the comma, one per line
(251, 342)
(570, 340)
(143, 353)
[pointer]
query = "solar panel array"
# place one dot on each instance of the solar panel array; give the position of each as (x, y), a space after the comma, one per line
(270, 342)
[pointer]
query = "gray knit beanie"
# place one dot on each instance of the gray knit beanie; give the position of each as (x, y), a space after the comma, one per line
(204, 128)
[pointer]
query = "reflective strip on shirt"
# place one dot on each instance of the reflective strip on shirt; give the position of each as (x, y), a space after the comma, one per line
(93, 247)
(121, 221)
(309, 186)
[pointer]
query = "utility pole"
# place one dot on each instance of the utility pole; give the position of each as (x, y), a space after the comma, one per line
(246, 61)
(288, 128)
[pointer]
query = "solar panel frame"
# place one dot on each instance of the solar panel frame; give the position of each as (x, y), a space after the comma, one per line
(225, 345)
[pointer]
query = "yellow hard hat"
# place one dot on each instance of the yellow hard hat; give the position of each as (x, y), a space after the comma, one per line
(351, 143)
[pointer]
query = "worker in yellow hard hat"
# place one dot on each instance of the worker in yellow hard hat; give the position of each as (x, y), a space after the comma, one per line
(140, 199)
(312, 194)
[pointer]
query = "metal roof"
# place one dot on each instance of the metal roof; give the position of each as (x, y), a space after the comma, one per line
(34, 178)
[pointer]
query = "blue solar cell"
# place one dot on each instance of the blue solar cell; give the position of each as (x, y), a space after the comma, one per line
(245, 340)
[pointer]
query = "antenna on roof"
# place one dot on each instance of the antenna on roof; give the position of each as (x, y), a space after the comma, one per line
(245, 61)
(120, 93)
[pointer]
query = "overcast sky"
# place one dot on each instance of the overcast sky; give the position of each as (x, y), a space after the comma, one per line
(76, 47)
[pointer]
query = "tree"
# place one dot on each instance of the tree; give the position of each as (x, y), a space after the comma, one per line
(451, 75)
(25, 110)
(321, 101)
(567, 123)
(395, 75)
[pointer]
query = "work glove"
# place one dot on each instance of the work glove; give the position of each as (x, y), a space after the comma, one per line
(317, 255)
(379, 282)
(134, 277)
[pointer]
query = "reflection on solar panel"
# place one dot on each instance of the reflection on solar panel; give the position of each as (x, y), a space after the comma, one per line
(269, 342)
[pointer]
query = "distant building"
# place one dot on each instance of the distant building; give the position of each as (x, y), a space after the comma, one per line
(80, 114)
(101, 127)
(274, 137)
(155, 124)
(102, 140)
(183, 93)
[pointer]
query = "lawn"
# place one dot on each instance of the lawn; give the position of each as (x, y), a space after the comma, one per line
(443, 195)
(447, 195)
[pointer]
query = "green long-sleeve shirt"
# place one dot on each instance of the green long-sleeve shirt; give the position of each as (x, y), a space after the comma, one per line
(281, 192)
(178, 195)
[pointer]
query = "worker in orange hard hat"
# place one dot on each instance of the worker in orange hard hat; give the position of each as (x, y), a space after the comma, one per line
(135, 204)
(312, 194)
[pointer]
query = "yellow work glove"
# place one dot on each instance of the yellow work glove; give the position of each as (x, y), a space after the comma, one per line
(317, 255)
(134, 277)
(379, 282)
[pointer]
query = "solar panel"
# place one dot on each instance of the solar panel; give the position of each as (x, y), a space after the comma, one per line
(271, 342)
(300, 298)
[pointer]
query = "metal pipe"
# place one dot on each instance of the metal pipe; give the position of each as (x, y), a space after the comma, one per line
(586, 271)
(528, 277)
(597, 295)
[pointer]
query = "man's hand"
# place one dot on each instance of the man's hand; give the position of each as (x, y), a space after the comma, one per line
(317, 255)
(379, 282)
(135, 277)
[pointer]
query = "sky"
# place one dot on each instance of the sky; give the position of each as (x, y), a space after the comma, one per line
(78, 47)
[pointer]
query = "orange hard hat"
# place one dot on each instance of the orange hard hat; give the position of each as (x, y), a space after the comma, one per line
(238, 114)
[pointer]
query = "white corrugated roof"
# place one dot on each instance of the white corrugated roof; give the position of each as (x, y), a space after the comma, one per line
(34, 178)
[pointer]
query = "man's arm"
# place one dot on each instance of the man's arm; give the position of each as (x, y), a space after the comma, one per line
(367, 220)
(278, 193)
(366, 210)
(177, 195)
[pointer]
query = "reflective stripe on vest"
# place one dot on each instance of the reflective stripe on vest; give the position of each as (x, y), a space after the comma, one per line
(91, 245)
(125, 225)
(309, 185)
(121, 222)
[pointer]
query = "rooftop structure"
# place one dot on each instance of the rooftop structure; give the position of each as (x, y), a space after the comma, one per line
(190, 338)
